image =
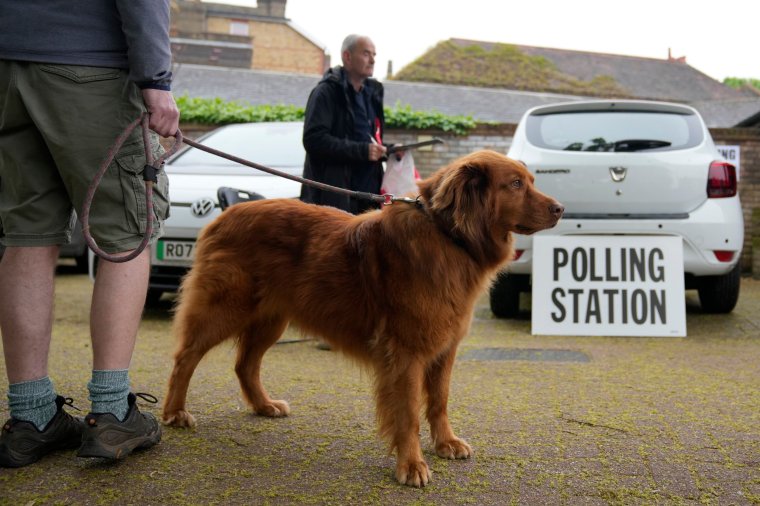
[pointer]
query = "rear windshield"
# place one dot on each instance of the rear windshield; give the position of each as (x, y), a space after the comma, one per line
(608, 131)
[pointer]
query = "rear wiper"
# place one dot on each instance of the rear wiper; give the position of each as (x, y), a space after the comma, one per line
(639, 144)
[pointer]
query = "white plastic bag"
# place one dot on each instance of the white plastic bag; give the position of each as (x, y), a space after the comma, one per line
(400, 175)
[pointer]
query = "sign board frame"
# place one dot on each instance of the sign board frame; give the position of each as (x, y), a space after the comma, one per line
(608, 285)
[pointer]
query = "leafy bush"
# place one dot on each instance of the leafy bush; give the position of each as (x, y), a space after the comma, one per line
(738, 82)
(403, 117)
(215, 111)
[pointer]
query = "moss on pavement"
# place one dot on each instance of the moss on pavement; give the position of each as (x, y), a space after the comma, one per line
(645, 421)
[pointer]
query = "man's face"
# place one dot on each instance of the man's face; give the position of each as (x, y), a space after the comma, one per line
(360, 62)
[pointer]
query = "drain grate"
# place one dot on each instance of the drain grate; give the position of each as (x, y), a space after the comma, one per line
(531, 355)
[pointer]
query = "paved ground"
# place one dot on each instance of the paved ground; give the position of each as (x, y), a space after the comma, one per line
(553, 420)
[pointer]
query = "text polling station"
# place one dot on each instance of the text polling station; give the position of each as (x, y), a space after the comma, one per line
(608, 285)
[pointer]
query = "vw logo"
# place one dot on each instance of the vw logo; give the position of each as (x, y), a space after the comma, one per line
(202, 207)
(618, 173)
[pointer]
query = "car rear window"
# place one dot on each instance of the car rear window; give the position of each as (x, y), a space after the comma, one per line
(608, 131)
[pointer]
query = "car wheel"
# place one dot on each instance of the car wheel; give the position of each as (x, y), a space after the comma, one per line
(505, 294)
(153, 297)
(719, 294)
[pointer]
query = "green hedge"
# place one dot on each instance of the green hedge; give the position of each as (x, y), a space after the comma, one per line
(738, 82)
(215, 111)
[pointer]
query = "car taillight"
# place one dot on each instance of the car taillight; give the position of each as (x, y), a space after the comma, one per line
(518, 254)
(724, 256)
(721, 180)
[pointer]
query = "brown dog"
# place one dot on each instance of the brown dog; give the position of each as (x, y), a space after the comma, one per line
(394, 288)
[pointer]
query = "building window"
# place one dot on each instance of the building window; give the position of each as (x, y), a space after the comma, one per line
(239, 28)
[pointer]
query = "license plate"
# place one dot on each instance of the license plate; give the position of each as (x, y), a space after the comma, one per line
(175, 250)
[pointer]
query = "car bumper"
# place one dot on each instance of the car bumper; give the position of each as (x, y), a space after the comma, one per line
(715, 226)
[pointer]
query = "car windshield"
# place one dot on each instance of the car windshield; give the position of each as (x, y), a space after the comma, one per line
(614, 131)
(275, 145)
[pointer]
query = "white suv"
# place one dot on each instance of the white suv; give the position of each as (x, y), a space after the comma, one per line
(625, 167)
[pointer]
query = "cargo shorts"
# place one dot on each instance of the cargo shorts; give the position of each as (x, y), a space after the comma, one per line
(57, 124)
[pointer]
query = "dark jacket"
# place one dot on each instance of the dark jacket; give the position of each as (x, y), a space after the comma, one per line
(331, 154)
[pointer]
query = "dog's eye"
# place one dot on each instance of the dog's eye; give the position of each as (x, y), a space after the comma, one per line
(516, 184)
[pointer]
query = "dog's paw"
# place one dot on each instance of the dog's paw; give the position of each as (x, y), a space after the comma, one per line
(453, 449)
(180, 418)
(273, 409)
(414, 474)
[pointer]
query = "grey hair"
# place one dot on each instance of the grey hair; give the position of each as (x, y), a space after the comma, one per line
(349, 43)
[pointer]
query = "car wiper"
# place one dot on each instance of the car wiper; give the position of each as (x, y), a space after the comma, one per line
(639, 144)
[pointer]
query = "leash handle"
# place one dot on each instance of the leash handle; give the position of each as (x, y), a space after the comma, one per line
(149, 176)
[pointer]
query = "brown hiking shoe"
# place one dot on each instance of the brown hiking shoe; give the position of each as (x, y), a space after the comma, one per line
(22, 443)
(106, 437)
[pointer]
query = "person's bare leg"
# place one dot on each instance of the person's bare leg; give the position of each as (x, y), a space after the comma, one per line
(27, 277)
(117, 305)
(115, 426)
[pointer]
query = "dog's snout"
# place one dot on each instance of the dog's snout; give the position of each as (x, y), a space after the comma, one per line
(556, 209)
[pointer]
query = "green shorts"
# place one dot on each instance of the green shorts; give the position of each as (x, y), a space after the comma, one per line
(57, 123)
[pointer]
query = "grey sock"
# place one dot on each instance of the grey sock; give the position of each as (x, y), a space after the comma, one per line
(33, 401)
(109, 391)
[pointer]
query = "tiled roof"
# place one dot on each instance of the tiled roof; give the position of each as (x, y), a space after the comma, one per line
(260, 87)
(645, 78)
(252, 86)
(483, 104)
(730, 113)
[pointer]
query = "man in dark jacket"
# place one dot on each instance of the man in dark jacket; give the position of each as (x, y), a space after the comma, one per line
(343, 129)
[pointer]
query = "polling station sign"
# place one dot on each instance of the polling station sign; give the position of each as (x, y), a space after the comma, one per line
(608, 285)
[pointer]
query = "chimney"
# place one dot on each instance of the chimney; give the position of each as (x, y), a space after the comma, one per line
(272, 8)
(680, 59)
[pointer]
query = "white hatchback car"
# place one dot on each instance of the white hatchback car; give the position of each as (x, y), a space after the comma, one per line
(195, 180)
(632, 168)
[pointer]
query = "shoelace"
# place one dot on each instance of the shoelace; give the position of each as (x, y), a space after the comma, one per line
(147, 397)
(68, 401)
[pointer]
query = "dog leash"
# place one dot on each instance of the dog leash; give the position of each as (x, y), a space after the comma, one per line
(150, 176)
(385, 200)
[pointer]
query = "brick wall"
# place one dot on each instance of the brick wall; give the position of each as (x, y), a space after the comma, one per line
(427, 160)
(277, 46)
(749, 187)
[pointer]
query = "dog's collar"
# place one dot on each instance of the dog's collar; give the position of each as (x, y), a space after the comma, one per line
(458, 241)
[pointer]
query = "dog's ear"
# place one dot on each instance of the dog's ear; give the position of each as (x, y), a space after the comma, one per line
(461, 198)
